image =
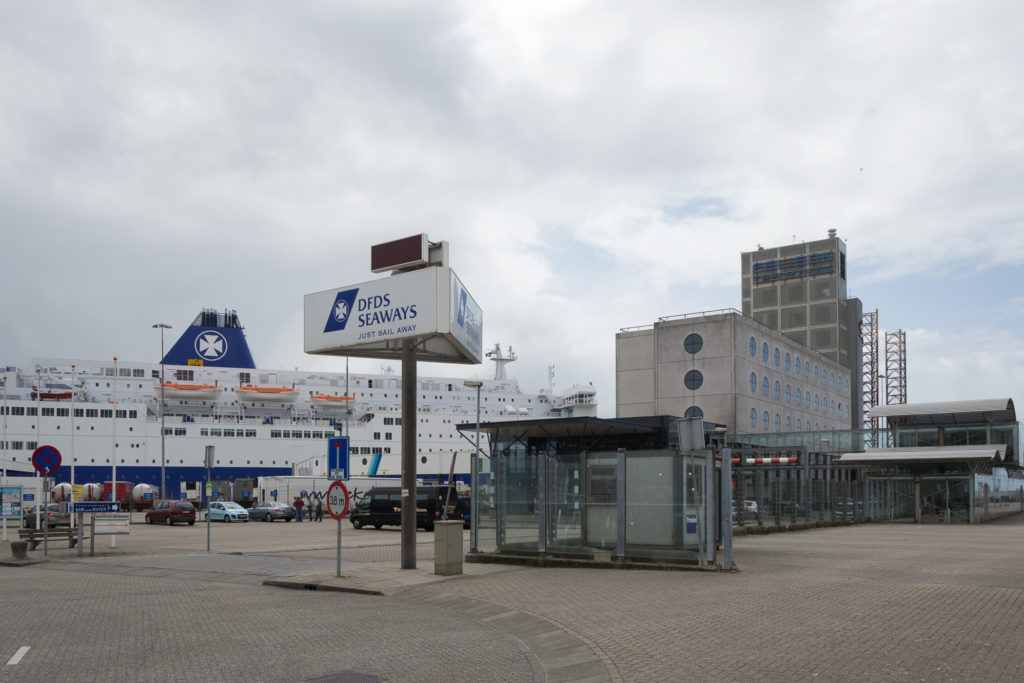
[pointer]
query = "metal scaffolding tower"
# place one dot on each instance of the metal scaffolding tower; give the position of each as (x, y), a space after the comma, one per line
(895, 367)
(869, 377)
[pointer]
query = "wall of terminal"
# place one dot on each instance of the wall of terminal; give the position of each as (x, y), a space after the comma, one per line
(731, 370)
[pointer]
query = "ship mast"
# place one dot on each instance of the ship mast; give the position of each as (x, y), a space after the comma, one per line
(500, 360)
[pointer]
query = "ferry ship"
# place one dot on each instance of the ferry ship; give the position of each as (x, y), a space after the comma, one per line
(208, 392)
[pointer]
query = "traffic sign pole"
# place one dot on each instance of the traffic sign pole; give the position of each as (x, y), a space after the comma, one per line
(337, 506)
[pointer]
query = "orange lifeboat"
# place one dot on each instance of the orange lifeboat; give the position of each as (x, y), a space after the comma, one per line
(172, 391)
(327, 401)
(250, 393)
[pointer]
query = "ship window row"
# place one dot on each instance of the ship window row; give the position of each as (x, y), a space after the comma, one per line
(294, 434)
(30, 411)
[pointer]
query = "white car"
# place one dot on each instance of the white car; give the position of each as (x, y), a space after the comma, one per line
(750, 506)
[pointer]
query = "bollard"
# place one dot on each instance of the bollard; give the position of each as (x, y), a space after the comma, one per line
(19, 549)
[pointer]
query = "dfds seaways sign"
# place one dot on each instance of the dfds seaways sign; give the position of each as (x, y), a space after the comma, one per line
(364, 319)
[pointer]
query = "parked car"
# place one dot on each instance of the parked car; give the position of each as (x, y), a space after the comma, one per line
(170, 511)
(269, 510)
(466, 505)
(788, 507)
(228, 511)
(55, 515)
(383, 505)
(750, 506)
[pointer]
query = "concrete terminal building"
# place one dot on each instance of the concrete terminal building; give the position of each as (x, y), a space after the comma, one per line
(728, 369)
(791, 362)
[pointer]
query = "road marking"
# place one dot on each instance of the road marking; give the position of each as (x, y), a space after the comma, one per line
(18, 655)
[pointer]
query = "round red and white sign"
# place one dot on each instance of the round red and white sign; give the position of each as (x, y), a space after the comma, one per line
(337, 500)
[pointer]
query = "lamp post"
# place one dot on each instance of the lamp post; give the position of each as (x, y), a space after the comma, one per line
(163, 435)
(113, 451)
(473, 464)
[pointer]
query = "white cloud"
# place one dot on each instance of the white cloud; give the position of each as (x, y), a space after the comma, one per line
(592, 167)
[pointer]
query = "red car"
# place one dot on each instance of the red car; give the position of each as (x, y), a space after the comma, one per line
(171, 511)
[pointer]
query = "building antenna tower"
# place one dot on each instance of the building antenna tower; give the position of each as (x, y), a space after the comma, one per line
(895, 367)
(869, 377)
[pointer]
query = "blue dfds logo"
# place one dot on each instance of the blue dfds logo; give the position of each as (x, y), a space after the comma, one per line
(211, 345)
(344, 302)
(462, 308)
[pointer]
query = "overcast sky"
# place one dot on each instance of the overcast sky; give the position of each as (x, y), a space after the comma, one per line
(593, 166)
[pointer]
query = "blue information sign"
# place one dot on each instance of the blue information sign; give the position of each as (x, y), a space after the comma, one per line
(338, 457)
(182, 496)
(94, 506)
(215, 495)
(28, 497)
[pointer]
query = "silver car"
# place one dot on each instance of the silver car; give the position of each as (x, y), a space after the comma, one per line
(269, 510)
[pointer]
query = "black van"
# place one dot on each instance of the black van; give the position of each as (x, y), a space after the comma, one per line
(383, 505)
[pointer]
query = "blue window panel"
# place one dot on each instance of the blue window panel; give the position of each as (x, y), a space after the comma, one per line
(789, 423)
(753, 346)
(753, 418)
(764, 352)
(693, 343)
(788, 361)
(817, 402)
(789, 393)
(765, 421)
(753, 382)
(798, 368)
(764, 386)
(816, 378)
(778, 390)
(778, 423)
(799, 398)
(693, 411)
(778, 356)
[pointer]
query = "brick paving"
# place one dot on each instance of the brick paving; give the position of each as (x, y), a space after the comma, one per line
(872, 601)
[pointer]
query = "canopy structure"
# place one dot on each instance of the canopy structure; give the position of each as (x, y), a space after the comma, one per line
(993, 453)
(985, 411)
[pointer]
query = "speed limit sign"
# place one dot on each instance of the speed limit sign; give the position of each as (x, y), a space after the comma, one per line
(337, 500)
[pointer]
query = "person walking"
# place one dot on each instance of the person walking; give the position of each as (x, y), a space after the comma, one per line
(319, 510)
(298, 508)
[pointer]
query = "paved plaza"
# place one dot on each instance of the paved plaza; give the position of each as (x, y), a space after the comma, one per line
(870, 601)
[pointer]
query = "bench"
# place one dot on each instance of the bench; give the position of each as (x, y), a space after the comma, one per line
(34, 537)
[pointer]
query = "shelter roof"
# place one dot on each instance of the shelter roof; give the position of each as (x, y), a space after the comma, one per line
(985, 452)
(976, 412)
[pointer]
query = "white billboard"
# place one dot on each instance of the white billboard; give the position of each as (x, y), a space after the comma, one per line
(372, 318)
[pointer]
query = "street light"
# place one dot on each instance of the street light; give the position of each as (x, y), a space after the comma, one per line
(473, 505)
(163, 436)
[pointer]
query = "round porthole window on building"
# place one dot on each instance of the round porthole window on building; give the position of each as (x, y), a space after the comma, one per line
(778, 356)
(693, 379)
(753, 382)
(764, 386)
(753, 346)
(693, 343)
(693, 411)
(788, 361)
(764, 352)
(765, 421)
(753, 418)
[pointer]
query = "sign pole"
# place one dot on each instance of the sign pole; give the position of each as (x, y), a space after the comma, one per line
(337, 507)
(408, 454)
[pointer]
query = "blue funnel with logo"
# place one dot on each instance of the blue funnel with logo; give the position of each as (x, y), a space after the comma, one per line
(213, 339)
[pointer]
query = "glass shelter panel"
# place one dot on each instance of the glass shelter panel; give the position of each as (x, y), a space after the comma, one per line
(516, 502)
(563, 505)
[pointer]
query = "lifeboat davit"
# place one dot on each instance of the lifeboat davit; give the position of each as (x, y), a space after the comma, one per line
(326, 401)
(250, 393)
(171, 391)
